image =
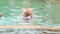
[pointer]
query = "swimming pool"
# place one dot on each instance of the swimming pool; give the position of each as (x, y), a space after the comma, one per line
(44, 13)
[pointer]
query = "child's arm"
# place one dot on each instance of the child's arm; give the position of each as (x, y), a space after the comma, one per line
(0, 15)
(31, 13)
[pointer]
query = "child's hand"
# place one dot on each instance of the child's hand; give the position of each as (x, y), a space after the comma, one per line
(0, 15)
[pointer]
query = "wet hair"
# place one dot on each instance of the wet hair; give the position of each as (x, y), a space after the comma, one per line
(27, 14)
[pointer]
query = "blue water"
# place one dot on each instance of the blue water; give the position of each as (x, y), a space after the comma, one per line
(16, 19)
(45, 14)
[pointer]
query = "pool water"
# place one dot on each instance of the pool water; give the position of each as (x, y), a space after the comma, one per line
(45, 14)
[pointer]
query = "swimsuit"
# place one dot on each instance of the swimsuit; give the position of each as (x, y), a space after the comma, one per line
(27, 18)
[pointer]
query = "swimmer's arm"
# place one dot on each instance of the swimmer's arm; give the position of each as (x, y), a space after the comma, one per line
(32, 14)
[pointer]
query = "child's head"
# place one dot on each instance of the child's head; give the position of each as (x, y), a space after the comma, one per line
(27, 13)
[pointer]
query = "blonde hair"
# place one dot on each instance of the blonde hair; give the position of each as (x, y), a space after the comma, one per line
(27, 13)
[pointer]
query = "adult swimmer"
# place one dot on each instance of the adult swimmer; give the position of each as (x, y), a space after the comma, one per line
(27, 13)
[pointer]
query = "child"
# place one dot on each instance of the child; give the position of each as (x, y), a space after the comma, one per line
(27, 14)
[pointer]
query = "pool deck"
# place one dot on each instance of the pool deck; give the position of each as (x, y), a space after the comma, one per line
(32, 27)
